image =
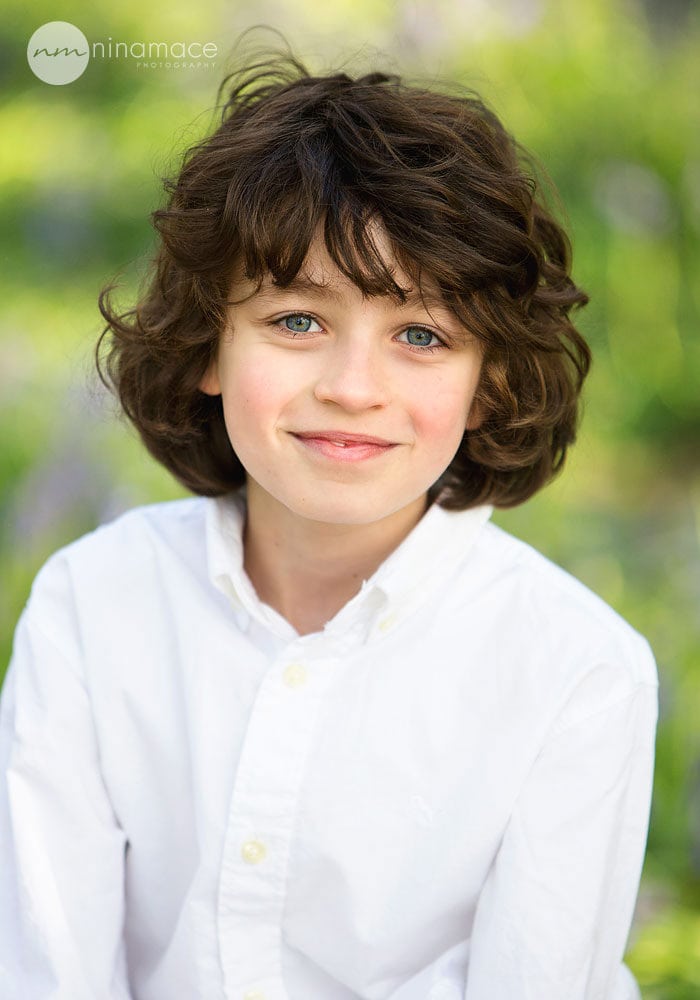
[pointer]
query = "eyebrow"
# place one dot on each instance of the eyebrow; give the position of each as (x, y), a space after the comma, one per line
(272, 291)
(298, 284)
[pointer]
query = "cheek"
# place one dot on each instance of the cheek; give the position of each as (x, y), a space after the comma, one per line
(252, 391)
(441, 412)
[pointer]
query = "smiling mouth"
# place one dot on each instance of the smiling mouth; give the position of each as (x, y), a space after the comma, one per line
(343, 439)
(341, 446)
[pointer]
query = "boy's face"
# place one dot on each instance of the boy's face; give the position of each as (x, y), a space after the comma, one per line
(343, 409)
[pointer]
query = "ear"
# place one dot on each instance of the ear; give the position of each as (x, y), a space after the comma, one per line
(210, 383)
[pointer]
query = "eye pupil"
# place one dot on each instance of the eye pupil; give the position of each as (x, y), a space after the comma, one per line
(418, 337)
(298, 324)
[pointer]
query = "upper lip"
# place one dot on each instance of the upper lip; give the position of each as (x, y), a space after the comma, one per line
(343, 436)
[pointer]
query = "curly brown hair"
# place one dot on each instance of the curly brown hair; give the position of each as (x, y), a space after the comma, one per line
(460, 204)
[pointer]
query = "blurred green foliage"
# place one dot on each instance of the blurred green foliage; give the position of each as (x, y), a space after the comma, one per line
(606, 95)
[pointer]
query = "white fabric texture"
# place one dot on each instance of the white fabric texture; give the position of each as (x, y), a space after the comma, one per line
(443, 795)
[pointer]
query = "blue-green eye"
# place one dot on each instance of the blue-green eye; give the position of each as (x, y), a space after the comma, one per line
(298, 323)
(419, 336)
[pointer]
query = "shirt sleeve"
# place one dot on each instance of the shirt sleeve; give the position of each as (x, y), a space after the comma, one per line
(61, 848)
(554, 914)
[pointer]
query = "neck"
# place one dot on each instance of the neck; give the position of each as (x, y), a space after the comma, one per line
(308, 570)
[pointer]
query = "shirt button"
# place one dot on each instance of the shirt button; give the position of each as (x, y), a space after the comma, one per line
(253, 852)
(386, 623)
(254, 995)
(295, 675)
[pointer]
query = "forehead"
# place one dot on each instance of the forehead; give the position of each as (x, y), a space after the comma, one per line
(320, 277)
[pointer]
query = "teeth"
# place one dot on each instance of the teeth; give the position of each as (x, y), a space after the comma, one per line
(340, 444)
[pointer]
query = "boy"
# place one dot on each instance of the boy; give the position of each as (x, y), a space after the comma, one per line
(323, 732)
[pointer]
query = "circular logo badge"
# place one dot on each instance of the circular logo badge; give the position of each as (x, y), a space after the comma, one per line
(58, 52)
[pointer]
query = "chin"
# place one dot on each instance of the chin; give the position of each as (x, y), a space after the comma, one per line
(357, 507)
(338, 513)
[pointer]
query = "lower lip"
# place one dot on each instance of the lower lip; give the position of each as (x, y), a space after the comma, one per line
(359, 452)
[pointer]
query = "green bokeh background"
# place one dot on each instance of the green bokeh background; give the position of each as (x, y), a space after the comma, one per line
(607, 96)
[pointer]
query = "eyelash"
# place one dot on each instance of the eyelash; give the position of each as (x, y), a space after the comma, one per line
(278, 324)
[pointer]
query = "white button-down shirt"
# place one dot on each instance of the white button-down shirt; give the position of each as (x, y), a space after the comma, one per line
(443, 795)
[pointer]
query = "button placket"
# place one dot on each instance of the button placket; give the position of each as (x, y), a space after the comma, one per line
(261, 822)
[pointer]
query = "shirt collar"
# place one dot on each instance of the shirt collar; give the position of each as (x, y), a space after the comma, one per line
(427, 555)
(225, 522)
(437, 543)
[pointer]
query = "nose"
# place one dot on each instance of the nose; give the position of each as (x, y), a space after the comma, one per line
(353, 375)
